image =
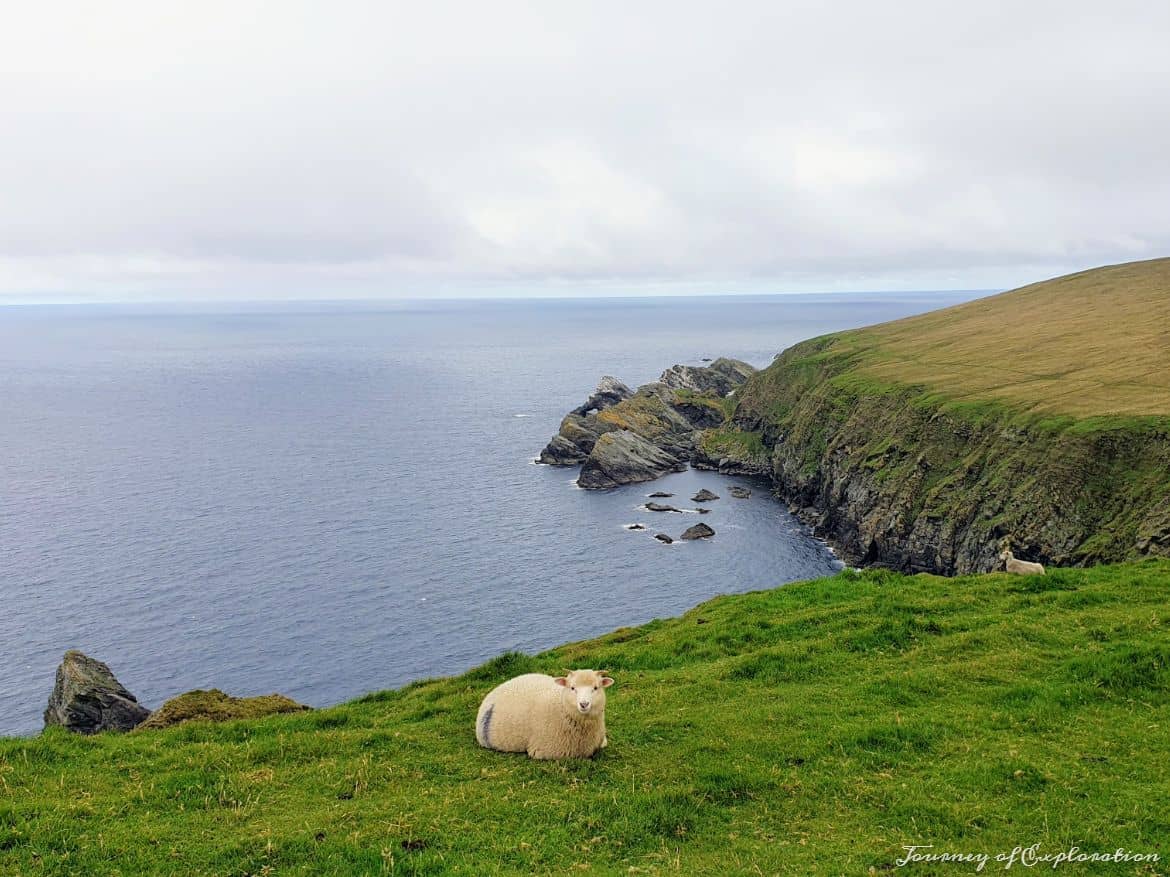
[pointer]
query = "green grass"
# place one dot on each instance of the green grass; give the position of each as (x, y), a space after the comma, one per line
(726, 441)
(811, 729)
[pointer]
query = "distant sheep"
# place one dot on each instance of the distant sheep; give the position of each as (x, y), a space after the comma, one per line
(1020, 567)
(546, 717)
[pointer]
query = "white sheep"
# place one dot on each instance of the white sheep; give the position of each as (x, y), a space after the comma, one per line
(546, 717)
(1020, 567)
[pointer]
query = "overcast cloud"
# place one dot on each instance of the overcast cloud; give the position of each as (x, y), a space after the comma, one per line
(343, 149)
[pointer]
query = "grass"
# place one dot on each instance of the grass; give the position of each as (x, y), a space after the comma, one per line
(1092, 343)
(744, 447)
(811, 729)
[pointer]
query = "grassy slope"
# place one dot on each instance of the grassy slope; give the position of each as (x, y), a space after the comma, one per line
(810, 729)
(1093, 343)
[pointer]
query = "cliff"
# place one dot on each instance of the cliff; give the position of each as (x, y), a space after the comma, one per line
(1040, 417)
(623, 437)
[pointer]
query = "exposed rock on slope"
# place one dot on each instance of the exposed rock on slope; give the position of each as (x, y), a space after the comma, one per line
(720, 377)
(624, 458)
(88, 699)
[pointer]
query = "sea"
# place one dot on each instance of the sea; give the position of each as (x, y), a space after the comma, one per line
(328, 499)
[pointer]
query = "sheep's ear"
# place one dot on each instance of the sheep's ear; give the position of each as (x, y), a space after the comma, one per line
(561, 681)
(606, 682)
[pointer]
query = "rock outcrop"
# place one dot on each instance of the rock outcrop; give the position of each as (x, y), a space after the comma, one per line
(609, 392)
(667, 415)
(740, 492)
(662, 537)
(625, 458)
(215, 706)
(704, 495)
(699, 531)
(88, 699)
(721, 377)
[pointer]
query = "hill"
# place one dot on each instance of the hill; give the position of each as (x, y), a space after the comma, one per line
(816, 728)
(1093, 343)
(1040, 416)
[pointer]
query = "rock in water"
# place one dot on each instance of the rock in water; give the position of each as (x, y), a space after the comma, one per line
(662, 537)
(699, 531)
(740, 492)
(659, 507)
(87, 699)
(704, 495)
(624, 458)
(635, 526)
(660, 494)
(215, 706)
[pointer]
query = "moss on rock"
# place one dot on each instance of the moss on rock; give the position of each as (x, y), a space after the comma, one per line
(216, 706)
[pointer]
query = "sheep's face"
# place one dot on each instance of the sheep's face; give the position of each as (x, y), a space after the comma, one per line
(584, 691)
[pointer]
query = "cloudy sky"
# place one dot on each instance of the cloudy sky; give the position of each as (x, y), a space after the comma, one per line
(156, 150)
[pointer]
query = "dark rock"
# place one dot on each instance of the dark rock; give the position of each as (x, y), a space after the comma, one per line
(740, 492)
(635, 526)
(703, 511)
(88, 699)
(756, 466)
(215, 706)
(625, 458)
(662, 537)
(657, 507)
(661, 495)
(699, 531)
(706, 359)
(701, 412)
(704, 495)
(609, 392)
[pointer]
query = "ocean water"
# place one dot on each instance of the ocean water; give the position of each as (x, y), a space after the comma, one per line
(324, 500)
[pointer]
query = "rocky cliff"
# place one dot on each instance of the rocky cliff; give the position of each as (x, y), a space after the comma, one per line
(1039, 418)
(622, 437)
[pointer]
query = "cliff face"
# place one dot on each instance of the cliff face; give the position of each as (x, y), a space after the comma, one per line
(933, 476)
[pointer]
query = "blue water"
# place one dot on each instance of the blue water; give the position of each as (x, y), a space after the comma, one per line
(325, 500)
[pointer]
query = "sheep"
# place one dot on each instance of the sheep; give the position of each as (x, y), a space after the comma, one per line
(546, 717)
(1019, 567)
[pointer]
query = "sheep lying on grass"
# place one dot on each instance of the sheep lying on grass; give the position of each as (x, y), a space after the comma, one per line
(1020, 567)
(546, 717)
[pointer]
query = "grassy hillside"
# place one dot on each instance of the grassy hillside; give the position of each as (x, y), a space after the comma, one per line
(1093, 343)
(812, 729)
(1040, 415)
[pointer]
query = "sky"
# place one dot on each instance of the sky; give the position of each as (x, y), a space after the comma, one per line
(332, 150)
